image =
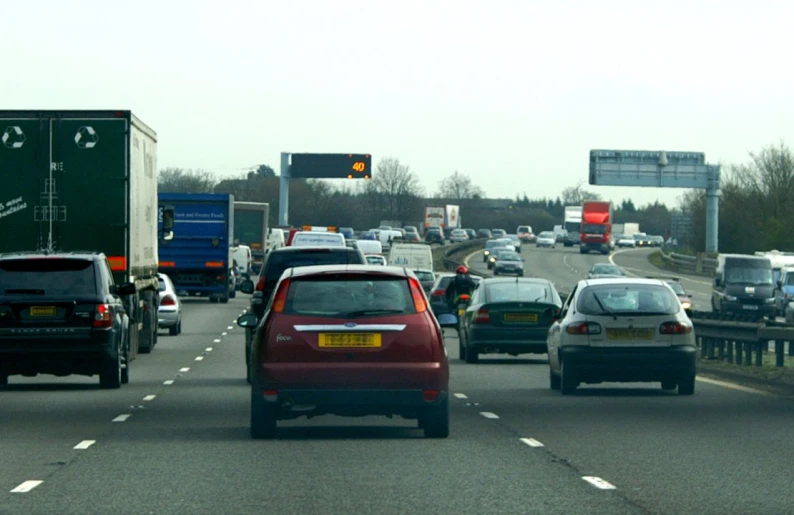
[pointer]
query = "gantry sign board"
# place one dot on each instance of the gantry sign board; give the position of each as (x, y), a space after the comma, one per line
(330, 166)
(651, 168)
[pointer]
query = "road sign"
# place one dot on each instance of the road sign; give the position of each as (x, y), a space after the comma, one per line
(331, 166)
(656, 169)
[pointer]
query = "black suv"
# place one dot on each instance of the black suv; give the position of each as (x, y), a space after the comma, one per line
(281, 259)
(61, 314)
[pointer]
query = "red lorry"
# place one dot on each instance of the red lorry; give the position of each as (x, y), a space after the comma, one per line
(596, 230)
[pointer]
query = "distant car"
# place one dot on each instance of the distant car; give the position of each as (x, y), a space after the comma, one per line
(546, 239)
(525, 234)
(492, 244)
(508, 316)
(642, 240)
(410, 229)
(375, 259)
(508, 262)
(458, 236)
(498, 233)
(347, 232)
(624, 241)
(495, 251)
(169, 311)
(350, 341)
(683, 296)
(412, 237)
(656, 241)
(600, 270)
(515, 241)
(434, 235)
(367, 236)
(471, 233)
(438, 292)
(572, 238)
(484, 233)
(426, 278)
(622, 329)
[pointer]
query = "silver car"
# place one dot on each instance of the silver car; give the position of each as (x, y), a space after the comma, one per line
(169, 311)
(458, 236)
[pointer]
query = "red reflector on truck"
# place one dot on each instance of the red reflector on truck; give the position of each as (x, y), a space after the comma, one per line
(167, 264)
(118, 263)
(214, 264)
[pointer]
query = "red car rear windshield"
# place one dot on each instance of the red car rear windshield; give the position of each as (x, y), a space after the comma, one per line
(47, 276)
(349, 297)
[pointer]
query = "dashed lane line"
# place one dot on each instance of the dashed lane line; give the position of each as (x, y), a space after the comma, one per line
(168, 382)
(461, 396)
(732, 386)
(224, 334)
(122, 418)
(208, 349)
(199, 358)
(229, 328)
(149, 398)
(184, 369)
(85, 444)
(599, 483)
(488, 414)
(216, 340)
(532, 442)
(27, 486)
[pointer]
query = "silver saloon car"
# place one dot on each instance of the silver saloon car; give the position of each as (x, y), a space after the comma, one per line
(169, 311)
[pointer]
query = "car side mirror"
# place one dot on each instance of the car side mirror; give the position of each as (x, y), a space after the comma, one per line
(448, 320)
(248, 320)
(125, 289)
(247, 286)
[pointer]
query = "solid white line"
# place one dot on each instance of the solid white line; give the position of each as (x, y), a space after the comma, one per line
(532, 442)
(488, 414)
(199, 358)
(461, 396)
(122, 418)
(732, 386)
(184, 369)
(149, 398)
(168, 382)
(85, 444)
(599, 483)
(230, 328)
(216, 340)
(27, 486)
(208, 349)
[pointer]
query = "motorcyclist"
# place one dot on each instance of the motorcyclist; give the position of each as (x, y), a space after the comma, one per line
(461, 284)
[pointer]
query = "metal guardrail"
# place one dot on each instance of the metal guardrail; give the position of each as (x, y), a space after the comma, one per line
(698, 265)
(451, 253)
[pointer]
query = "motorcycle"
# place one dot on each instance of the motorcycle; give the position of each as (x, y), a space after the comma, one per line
(463, 301)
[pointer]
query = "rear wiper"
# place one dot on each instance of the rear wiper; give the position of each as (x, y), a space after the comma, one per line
(604, 309)
(540, 298)
(21, 291)
(365, 312)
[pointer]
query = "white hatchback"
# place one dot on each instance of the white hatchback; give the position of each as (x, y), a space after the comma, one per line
(546, 239)
(624, 330)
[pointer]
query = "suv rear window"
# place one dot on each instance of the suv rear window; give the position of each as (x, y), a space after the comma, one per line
(628, 299)
(47, 276)
(349, 297)
(423, 276)
(277, 261)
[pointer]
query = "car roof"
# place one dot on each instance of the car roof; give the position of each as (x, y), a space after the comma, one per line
(535, 280)
(394, 271)
(305, 248)
(87, 255)
(621, 280)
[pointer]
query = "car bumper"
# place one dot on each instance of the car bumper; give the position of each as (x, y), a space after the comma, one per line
(597, 364)
(761, 310)
(167, 318)
(508, 340)
(503, 270)
(546, 243)
(82, 352)
(352, 376)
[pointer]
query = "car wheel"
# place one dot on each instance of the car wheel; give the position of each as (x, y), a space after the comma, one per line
(125, 372)
(496, 272)
(461, 349)
(263, 419)
(554, 380)
(687, 385)
(213, 299)
(472, 356)
(668, 385)
(233, 294)
(225, 299)
(435, 421)
(248, 364)
(110, 374)
(174, 329)
(568, 381)
(3, 380)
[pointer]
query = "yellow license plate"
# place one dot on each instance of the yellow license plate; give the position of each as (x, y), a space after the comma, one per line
(42, 311)
(521, 317)
(461, 312)
(350, 340)
(630, 334)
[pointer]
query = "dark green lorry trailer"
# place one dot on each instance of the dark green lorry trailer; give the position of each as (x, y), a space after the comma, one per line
(85, 181)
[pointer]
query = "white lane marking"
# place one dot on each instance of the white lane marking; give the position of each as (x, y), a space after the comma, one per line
(488, 414)
(199, 358)
(168, 382)
(224, 334)
(121, 418)
(27, 486)
(149, 398)
(208, 349)
(229, 328)
(532, 442)
(599, 483)
(731, 386)
(85, 444)
(216, 340)
(184, 369)
(461, 396)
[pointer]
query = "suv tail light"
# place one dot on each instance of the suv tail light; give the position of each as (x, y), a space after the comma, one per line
(584, 328)
(419, 297)
(675, 328)
(483, 316)
(281, 296)
(168, 300)
(260, 284)
(103, 317)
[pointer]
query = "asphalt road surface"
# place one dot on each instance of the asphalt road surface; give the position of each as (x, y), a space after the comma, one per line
(175, 440)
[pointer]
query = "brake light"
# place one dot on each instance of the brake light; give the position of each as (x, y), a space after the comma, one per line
(281, 296)
(117, 263)
(438, 292)
(584, 328)
(430, 395)
(419, 298)
(482, 317)
(270, 395)
(103, 317)
(675, 328)
(168, 300)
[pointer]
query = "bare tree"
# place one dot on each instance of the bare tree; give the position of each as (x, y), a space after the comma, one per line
(179, 180)
(459, 186)
(575, 195)
(394, 190)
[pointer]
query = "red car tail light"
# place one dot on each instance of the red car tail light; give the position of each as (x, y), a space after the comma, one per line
(584, 328)
(270, 395)
(168, 300)
(483, 316)
(438, 292)
(430, 395)
(103, 317)
(675, 328)
(281, 296)
(419, 298)
(260, 284)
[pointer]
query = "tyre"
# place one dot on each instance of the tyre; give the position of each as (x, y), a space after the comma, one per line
(248, 364)
(110, 373)
(225, 298)
(3, 380)
(554, 380)
(263, 419)
(568, 382)
(496, 272)
(179, 325)
(472, 356)
(461, 349)
(233, 294)
(668, 385)
(687, 385)
(125, 372)
(581, 250)
(435, 421)
(213, 299)
(174, 329)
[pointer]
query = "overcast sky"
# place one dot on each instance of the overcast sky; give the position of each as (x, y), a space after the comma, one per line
(513, 93)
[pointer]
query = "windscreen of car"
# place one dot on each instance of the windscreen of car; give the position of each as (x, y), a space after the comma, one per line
(492, 244)
(277, 262)
(523, 229)
(513, 238)
(375, 260)
(47, 276)
(458, 232)
(508, 255)
(423, 275)
(518, 292)
(606, 269)
(677, 288)
(349, 297)
(547, 234)
(789, 280)
(594, 229)
(627, 299)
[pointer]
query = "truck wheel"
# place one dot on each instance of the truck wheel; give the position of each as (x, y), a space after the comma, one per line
(110, 373)
(213, 299)
(225, 299)
(233, 294)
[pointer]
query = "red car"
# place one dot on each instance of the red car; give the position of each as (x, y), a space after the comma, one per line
(348, 340)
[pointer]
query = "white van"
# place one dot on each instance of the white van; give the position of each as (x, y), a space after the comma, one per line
(368, 246)
(318, 239)
(276, 240)
(242, 254)
(414, 256)
(386, 237)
